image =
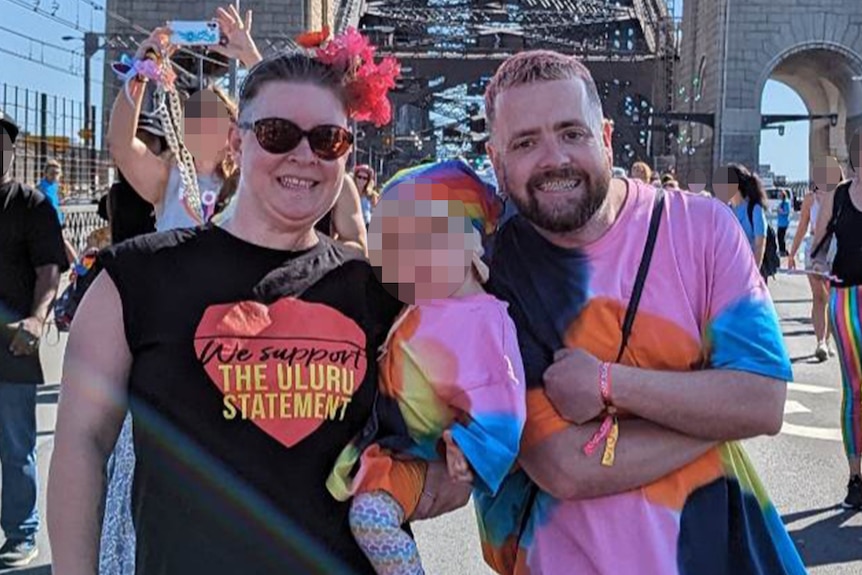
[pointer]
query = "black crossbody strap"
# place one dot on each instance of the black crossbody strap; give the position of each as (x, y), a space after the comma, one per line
(643, 271)
(631, 312)
(837, 207)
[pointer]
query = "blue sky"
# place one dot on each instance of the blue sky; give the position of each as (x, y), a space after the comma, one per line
(787, 154)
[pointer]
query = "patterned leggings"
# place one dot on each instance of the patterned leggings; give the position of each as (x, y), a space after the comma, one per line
(375, 520)
(846, 317)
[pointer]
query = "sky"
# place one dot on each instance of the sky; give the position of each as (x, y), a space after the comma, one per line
(48, 66)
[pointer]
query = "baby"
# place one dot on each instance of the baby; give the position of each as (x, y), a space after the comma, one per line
(450, 365)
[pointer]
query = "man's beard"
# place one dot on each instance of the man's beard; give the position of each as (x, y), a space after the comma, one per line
(569, 214)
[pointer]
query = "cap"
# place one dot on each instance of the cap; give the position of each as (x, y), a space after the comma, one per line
(453, 180)
(8, 122)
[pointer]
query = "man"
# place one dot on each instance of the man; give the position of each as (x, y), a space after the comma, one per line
(49, 185)
(668, 491)
(31, 260)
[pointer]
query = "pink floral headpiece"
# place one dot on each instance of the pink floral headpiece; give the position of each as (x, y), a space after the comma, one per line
(368, 82)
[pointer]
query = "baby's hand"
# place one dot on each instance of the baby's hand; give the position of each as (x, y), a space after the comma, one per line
(459, 469)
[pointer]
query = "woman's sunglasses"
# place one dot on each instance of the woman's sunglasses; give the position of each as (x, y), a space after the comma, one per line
(280, 136)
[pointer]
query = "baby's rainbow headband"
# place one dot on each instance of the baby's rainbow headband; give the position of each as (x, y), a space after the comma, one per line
(452, 181)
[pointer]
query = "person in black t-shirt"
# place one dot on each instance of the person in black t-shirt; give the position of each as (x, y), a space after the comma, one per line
(31, 260)
(246, 351)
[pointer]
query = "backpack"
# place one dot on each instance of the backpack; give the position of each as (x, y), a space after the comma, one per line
(838, 202)
(67, 304)
(771, 257)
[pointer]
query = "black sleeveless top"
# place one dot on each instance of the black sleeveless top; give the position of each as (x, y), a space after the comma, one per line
(252, 369)
(848, 233)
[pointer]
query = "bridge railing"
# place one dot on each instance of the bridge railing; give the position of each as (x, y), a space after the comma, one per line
(81, 221)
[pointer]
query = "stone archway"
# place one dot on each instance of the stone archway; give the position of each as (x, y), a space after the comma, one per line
(823, 76)
(815, 47)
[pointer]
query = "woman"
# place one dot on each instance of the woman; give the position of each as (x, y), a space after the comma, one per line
(812, 203)
(365, 180)
(748, 202)
(840, 216)
(208, 115)
(246, 349)
(157, 179)
(641, 171)
(783, 221)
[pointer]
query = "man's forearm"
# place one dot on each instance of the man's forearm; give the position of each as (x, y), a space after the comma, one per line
(75, 493)
(45, 291)
(711, 404)
(645, 453)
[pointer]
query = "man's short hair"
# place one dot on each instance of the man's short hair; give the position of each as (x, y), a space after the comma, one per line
(539, 66)
(52, 163)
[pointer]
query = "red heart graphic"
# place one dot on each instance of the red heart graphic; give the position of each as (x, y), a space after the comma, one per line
(288, 367)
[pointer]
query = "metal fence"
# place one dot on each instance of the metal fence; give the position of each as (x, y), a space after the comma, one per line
(53, 128)
(81, 221)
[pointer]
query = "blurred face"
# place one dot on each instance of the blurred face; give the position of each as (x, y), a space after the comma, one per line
(6, 153)
(696, 181)
(826, 174)
(639, 173)
(52, 173)
(296, 187)
(206, 124)
(361, 179)
(421, 249)
(725, 184)
(552, 153)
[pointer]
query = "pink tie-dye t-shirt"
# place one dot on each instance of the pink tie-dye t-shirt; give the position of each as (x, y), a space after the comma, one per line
(704, 306)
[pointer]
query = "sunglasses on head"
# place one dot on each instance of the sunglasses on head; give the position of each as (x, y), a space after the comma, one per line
(280, 136)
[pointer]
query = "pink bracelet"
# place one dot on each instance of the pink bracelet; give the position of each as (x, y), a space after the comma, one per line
(610, 430)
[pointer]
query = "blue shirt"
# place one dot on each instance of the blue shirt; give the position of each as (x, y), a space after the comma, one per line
(52, 192)
(367, 209)
(784, 214)
(758, 219)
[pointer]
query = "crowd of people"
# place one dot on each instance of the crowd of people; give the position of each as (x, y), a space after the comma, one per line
(280, 362)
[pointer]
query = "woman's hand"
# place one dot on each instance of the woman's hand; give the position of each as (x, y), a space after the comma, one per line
(159, 41)
(237, 41)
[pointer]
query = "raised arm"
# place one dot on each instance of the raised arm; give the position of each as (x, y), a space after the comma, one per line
(146, 172)
(89, 417)
(347, 217)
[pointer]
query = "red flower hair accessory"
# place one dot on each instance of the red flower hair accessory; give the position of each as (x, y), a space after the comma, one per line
(368, 83)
